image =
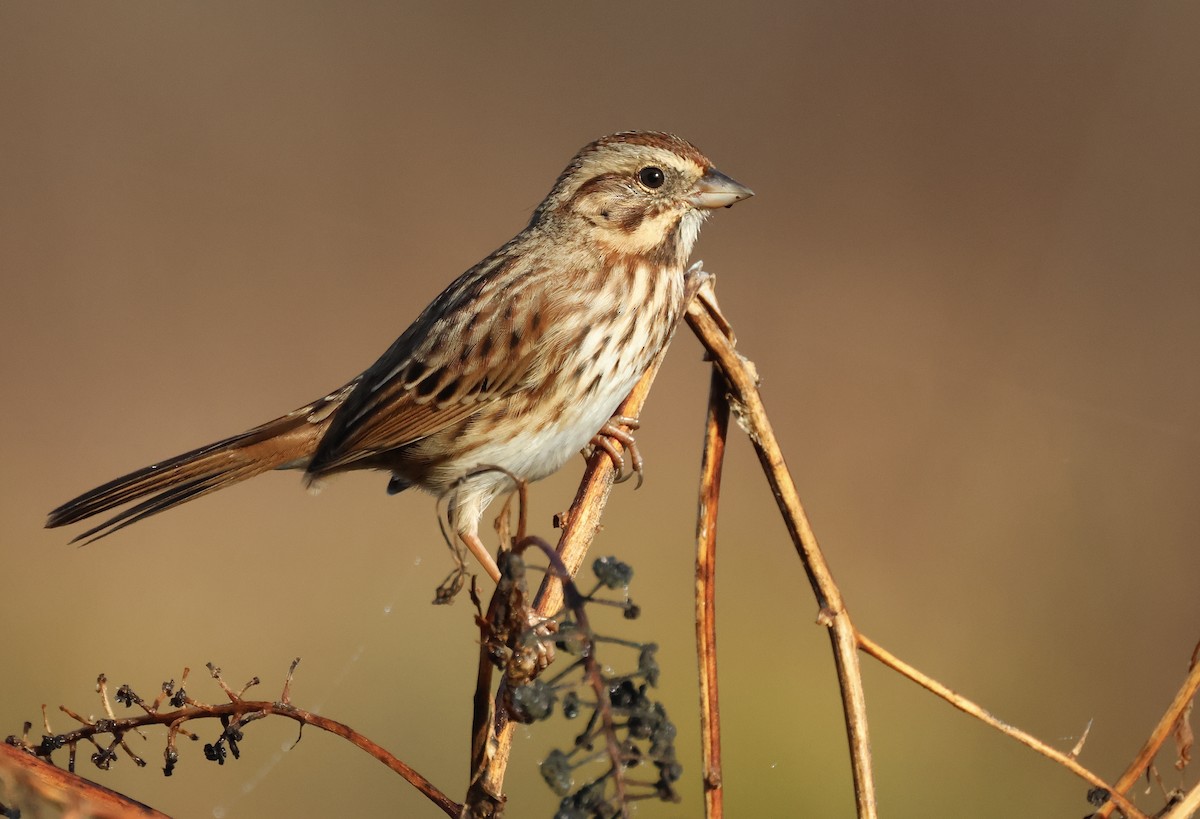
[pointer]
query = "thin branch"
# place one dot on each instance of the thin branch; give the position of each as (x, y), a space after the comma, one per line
(1163, 730)
(716, 428)
(704, 317)
(482, 707)
(448, 805)
(236, 710)
(965, 705)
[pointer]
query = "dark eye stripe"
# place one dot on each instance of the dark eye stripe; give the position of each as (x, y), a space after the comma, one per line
(595, 183)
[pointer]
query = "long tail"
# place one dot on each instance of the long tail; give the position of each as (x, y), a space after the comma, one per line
(288, 441)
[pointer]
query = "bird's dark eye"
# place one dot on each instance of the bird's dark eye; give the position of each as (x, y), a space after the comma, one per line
(652, 177)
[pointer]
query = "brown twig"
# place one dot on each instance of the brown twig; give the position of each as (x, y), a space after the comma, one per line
(579, 526)
(498, 619)
(965, 705)
(233, 712)
(1163, 730)
(715, 429)
(704, 318)
(482, 706)
(448, 805)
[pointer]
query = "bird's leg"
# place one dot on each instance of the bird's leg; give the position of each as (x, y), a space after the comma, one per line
(543, 628)
(613, 431)
(471, 539)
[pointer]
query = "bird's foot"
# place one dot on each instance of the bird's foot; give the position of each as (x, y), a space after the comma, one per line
(619, 428)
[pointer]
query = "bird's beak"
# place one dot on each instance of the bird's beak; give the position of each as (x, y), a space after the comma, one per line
(716, 190)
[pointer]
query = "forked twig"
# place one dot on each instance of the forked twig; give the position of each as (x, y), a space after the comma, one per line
(706, 321)
(965, 705)
(704, 317)
(582, 521)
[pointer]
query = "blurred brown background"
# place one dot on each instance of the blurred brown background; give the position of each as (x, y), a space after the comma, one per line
(969, 279)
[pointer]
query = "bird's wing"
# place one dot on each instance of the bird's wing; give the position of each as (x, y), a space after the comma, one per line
(475, 344)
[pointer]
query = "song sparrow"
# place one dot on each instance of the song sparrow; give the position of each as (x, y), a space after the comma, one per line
(518, 364)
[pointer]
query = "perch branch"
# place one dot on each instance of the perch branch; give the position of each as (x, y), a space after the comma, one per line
(579, 525)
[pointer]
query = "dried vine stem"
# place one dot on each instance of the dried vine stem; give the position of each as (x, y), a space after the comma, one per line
(965, 705)
(716, 428)
(1166, 726)
(706, 321)
(704, 317)
(236, 710)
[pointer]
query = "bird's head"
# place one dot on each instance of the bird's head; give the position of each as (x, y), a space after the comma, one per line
(641, 193)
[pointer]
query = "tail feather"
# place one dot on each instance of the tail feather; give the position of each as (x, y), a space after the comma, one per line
(164, 500)
(285, 442)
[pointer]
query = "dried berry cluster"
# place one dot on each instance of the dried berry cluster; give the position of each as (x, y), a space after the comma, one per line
(625, 729)
(108, 733)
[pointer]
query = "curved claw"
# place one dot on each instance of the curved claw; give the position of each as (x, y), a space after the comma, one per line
(612, 431)
(601, 441)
